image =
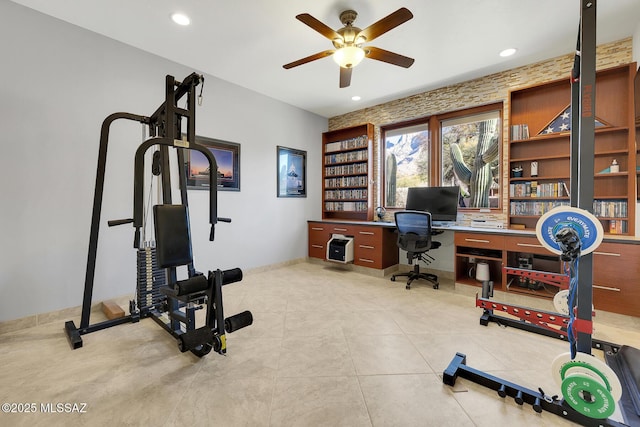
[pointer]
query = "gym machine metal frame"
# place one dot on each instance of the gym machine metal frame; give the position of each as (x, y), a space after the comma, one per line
(582, 166)
(165, 130)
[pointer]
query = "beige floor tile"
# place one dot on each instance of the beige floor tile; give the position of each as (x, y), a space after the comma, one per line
(411, 400)
(324, 401)
(386, 354)
(315, 356)
(237, 402)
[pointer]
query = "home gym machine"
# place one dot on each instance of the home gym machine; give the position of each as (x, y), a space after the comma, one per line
(591, 390)
(172, 303)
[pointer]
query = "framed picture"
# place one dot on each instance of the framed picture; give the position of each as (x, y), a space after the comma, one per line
(292, 172)
(227, 156)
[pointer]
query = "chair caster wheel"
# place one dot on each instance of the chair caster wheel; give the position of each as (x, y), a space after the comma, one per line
(436, 286)
(408, 287)
(393, 278)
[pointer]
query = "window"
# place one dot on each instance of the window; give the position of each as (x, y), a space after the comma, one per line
(406, 161)
(471, 158)
(456, 148)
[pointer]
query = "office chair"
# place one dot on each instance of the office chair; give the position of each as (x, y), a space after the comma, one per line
(414, 236)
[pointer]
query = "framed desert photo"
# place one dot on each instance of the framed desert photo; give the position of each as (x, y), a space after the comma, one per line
(292, 172)
(227, 156)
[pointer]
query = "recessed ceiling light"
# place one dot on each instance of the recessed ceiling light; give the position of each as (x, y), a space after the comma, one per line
(180, 18)
(508, 52)
(355, 98)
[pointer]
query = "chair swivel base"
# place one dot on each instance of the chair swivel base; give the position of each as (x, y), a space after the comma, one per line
(416, 274)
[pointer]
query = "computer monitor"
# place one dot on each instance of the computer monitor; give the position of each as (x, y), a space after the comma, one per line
(442, 202)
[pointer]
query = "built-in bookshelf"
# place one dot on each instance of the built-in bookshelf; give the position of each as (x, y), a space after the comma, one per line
(539, 151)
(346, 173)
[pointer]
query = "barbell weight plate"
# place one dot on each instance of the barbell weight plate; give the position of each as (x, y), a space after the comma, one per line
(583, 222)
(563, 362)
(561, 302)
(600, 367)
(588, 396)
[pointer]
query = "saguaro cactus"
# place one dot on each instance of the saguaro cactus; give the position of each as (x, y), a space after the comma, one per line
(478, 177)
(391, 168)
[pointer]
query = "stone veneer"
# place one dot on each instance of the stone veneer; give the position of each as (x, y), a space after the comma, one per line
(481, 91)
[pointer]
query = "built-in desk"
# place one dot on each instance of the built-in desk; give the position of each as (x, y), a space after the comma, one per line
(616, 274)
(374, 243)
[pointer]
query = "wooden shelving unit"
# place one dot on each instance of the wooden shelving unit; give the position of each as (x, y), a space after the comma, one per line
(537, 107)
(347, 173)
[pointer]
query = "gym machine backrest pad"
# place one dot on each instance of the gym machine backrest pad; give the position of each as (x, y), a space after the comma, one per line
(173, 240)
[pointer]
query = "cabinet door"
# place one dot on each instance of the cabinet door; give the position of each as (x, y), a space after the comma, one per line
(526, 244)
(478, 247)
(479, 240)
(319, 235)
(616, 278)
(375, 247)
(368, 247)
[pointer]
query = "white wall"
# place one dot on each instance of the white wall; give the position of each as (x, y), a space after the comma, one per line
(57, 84)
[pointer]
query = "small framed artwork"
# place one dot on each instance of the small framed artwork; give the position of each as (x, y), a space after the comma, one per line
(292, 172)
(227, 156)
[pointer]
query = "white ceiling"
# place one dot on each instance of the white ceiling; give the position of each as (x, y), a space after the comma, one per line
(246, 42)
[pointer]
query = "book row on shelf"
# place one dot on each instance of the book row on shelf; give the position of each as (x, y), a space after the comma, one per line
(349, 156)
(531, 208)
(618, 226)
(346, 206)
(346, 194)
(358, 168)
(610, 208)
(601, 208)
(346, 181)
(538, 189)
(519, 132)
(361, 141)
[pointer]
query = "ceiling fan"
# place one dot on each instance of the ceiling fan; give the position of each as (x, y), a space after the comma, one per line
(349, 42)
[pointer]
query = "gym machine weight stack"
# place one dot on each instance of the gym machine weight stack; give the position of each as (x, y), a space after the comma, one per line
(170, 302)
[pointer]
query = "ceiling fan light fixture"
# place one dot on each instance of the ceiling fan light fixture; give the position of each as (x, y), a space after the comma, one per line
(349, 56)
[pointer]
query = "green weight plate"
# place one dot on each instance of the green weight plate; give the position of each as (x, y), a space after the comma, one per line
(578, 364)
(601, 404)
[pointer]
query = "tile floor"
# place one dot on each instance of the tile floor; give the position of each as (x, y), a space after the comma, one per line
(327, 348)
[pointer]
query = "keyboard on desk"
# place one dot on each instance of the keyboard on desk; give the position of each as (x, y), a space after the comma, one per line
(442, 224)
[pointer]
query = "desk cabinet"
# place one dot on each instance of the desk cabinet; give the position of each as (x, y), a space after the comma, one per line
(472, 248)
(616, 278)
(374, 246)
(616, 268)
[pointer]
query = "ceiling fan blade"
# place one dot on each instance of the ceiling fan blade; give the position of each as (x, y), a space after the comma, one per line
(388, 57)
(387, 23)
(310, 58)
(345, 77)
(323, 29)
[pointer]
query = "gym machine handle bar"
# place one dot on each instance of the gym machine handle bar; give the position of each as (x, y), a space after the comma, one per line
(116, 222)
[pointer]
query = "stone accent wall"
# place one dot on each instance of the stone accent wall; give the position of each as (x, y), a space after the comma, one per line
(481, 91)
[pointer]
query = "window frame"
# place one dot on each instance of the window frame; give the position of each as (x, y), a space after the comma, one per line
(434, 123)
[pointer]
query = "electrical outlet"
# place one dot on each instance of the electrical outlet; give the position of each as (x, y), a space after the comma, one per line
(472, 260)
